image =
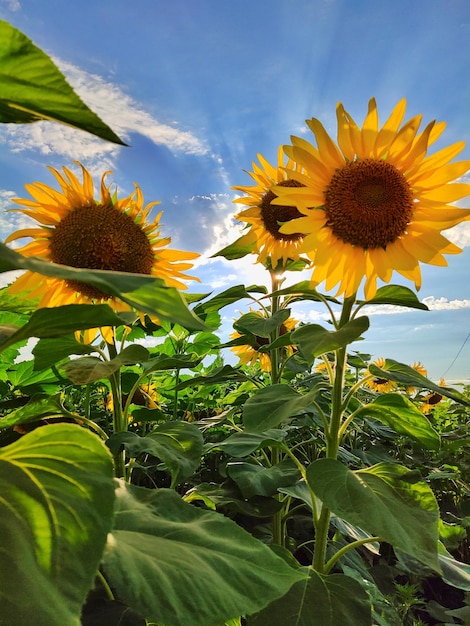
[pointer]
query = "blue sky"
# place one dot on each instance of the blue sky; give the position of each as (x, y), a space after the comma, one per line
(198, 87)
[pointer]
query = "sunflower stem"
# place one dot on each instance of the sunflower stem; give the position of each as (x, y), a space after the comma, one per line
(277, 525)
(333, 436)
(119, 418)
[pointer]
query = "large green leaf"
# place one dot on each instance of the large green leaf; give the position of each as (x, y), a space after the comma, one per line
(38, 407)
(236, 250)
(229, 296)
(314, 340)
(396, 295)
(396, 411)
(145, 293)
(406, 375)
(48, 352)
(334, 600)
(223, 374)
(261, 326)
(272, 405)
(256, 480)
(56, 508)
(383, 500)
(32, 88)
(89, 369)
(178, 564)
(178, 444)
(242, 444)
(65, 319)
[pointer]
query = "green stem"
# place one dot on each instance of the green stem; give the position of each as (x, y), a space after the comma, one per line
(277, 526)
(333, 436)
(119, 420)
(345, 549)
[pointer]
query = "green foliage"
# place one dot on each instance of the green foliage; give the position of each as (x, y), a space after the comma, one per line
(33, 88)
(204, 567)
(286, 495)
(56, 508)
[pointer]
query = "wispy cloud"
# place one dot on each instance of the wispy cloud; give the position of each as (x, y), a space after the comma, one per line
(443, 304)
(11, 5)
(120, 111)
(460, 235)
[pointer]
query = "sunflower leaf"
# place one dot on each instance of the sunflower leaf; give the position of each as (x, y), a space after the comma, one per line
(261, 326)
(319, 600)
(144, 293)
(56, 509)
(396, 295)
(32, 88)
(163, 553)
(63, 320)
(406, 375)
(384, 500)
(314, 340)
(236, 250)
(399, 413)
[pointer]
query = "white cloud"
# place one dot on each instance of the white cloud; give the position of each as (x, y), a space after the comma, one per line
(443, 304)
(460, 235)
(11, 5)
(116, 108)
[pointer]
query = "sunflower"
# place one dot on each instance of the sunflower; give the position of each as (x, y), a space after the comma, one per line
(418, 367)
(375, 202)
(250, 354)
(432, 399)
(107, 234)
(380, 385)
(264, 218)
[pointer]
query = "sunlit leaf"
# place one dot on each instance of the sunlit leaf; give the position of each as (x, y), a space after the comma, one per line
(400, 414)
(38, 407)
(384, 500)
(272, 405)
(406, 375)
(227, 297)
(314, 340)
(89, 369)
(242, 444)
(261, 326)
(145, 293)
(63, 320)
(56, 508)
(396, 295)
(320, 600)
(178, 564)
(32, 88)
(178, 444)
(256, 480)
(236, 250)
(48, 352)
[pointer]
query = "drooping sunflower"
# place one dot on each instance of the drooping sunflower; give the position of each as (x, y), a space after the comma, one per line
(250, 354)
(380, 385)
(430, 400)
(375, 202)
(264, 218)
(77, 230)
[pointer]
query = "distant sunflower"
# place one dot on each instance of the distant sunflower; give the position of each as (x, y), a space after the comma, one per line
(418, 367)
(105, 234)
(250, 354)
(375, 203)
(432, 399)
(265, 218)
(380, 385)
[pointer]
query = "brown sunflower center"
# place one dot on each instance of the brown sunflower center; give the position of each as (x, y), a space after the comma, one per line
(368, 203)
(274, 216)
(100, 237)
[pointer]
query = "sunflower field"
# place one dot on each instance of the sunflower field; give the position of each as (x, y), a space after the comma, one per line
(154, 472)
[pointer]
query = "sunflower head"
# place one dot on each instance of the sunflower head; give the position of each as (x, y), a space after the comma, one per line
(264, 218)
(108, 233)
(250, 354)
(380, 385)
(373, 202)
